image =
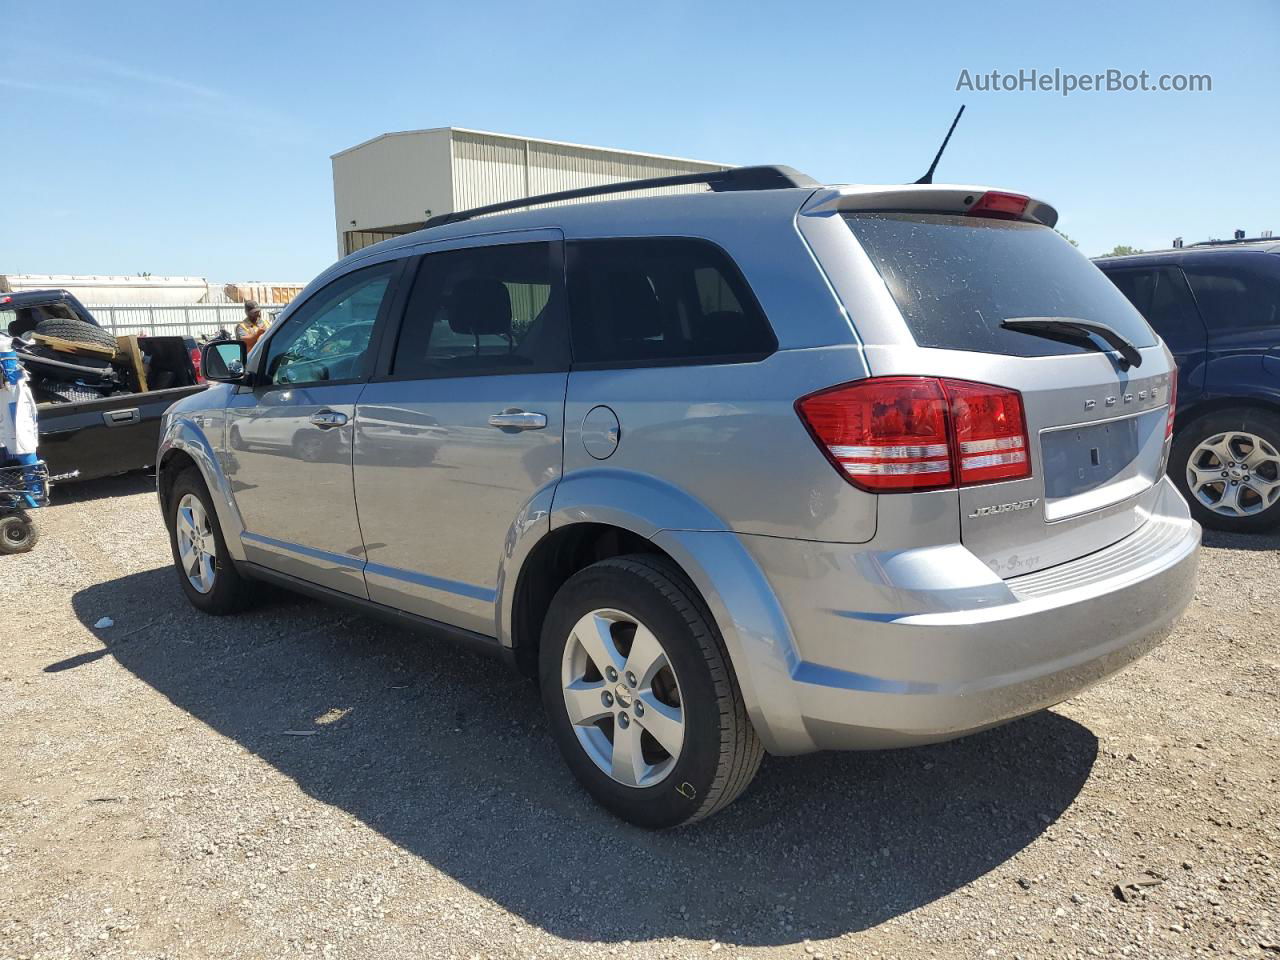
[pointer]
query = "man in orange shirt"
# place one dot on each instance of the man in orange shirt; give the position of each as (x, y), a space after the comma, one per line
(253, 326)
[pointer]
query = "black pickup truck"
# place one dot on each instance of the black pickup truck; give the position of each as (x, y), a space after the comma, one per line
(93, 419)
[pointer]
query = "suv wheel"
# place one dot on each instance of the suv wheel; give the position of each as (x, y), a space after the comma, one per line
(641, 697)
(205, 570)
(1227, 465)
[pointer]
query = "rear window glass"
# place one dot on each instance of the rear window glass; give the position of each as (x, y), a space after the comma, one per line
(662, 300)
(956, 278)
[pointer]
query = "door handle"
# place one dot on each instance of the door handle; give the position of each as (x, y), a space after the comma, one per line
(513, 419)
(118, 418)
(328, 418)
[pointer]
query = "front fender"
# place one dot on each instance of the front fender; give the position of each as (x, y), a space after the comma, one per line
(188, 432)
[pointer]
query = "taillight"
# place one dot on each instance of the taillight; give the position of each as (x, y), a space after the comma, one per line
(195, 362)
(1002, 206)
(889, 434)
(1173, 403)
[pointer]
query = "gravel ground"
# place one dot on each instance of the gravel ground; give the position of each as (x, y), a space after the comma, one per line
(303, 781)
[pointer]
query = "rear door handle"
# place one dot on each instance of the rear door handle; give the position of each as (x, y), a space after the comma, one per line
(118, 418)
(328, 418)
(514, 418)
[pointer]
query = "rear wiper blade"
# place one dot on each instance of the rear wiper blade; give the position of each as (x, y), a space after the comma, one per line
(1078, 328)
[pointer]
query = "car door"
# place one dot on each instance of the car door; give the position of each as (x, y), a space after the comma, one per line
(463, 427)
(1160, 293)
(290, 434)
(1239, 296)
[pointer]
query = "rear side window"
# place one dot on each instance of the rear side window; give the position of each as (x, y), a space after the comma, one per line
(1160, 294)
(956, 278)
(483, 310)
(1238, 296)
(662, 300)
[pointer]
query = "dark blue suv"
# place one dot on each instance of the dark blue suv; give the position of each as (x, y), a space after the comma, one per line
(1217, 306)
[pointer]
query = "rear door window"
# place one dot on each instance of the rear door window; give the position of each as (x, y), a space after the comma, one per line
(956, 278)
(1161, 295)
(661, 300)
(1239, 295)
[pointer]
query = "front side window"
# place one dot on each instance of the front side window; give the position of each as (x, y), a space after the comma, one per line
(956, 278)
(1238, 295)
(482, 310)
(662, 300)
(328, 337)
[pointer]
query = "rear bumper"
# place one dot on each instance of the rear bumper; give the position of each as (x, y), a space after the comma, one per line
(916, 646)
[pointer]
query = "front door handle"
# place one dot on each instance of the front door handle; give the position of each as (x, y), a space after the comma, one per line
(328, 418)
(513, 419)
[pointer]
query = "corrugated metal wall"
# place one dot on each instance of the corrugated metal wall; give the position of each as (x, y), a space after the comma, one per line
(489, 168)
(388, 185)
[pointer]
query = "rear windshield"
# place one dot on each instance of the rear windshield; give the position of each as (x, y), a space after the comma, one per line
(956, 278)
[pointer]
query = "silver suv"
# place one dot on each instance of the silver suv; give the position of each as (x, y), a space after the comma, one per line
(772, 467)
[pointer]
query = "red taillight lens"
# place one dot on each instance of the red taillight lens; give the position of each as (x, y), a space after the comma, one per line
(990, 432)
(919, 433)
(1007, 206)
(1173, 404)
(195, 362)
(887, 433)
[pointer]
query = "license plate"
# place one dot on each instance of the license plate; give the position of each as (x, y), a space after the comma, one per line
(1080, 459)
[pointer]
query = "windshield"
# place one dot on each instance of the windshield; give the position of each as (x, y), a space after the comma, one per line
(956, 278)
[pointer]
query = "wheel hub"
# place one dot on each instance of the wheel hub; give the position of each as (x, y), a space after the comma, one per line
(197, 554)
(623, 698)
(1235, 474)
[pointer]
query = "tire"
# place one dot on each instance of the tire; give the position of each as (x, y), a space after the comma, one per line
(226, 591)
(18, 533)
(77, 331)
(1248, 440)
(719, 752)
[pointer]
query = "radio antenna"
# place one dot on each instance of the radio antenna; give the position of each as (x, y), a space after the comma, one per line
(928, 177)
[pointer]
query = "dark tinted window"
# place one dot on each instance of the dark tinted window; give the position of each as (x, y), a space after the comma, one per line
(657, 300)
(328, 337)
(1161, 295)
(956, 278)
(1238, 295)
(485, 310)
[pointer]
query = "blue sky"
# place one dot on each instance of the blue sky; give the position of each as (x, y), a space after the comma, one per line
(194, 138)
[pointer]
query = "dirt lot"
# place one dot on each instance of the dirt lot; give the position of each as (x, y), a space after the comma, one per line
(158, 800)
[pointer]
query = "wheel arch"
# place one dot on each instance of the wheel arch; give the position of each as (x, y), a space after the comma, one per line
(182, 445)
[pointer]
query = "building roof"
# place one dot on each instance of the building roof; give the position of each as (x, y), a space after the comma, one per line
(516, 136)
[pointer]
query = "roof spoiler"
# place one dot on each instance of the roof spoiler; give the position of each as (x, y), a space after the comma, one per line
(772, 177)
(957, 200)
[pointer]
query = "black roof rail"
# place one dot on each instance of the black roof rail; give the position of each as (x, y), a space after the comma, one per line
(721, 181)
(1233, 242)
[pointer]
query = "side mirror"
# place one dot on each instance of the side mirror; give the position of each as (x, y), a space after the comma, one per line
(224, 361)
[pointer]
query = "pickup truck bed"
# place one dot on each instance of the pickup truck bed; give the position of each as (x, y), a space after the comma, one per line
(100, 438)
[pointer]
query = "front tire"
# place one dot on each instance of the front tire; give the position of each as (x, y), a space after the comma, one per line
(640, 694)
(205, 570)
(1227, 465)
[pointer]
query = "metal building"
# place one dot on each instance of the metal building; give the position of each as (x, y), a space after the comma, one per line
(393, 183)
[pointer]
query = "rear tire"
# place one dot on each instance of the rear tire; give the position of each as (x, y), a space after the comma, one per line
(1244, 444)
(717, 753)
(190, 507)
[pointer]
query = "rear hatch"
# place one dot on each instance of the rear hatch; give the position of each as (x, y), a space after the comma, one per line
(1000, 301)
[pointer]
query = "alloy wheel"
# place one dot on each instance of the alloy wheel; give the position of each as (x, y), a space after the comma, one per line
(196, 546)
(1235, 474)
(623, 698)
